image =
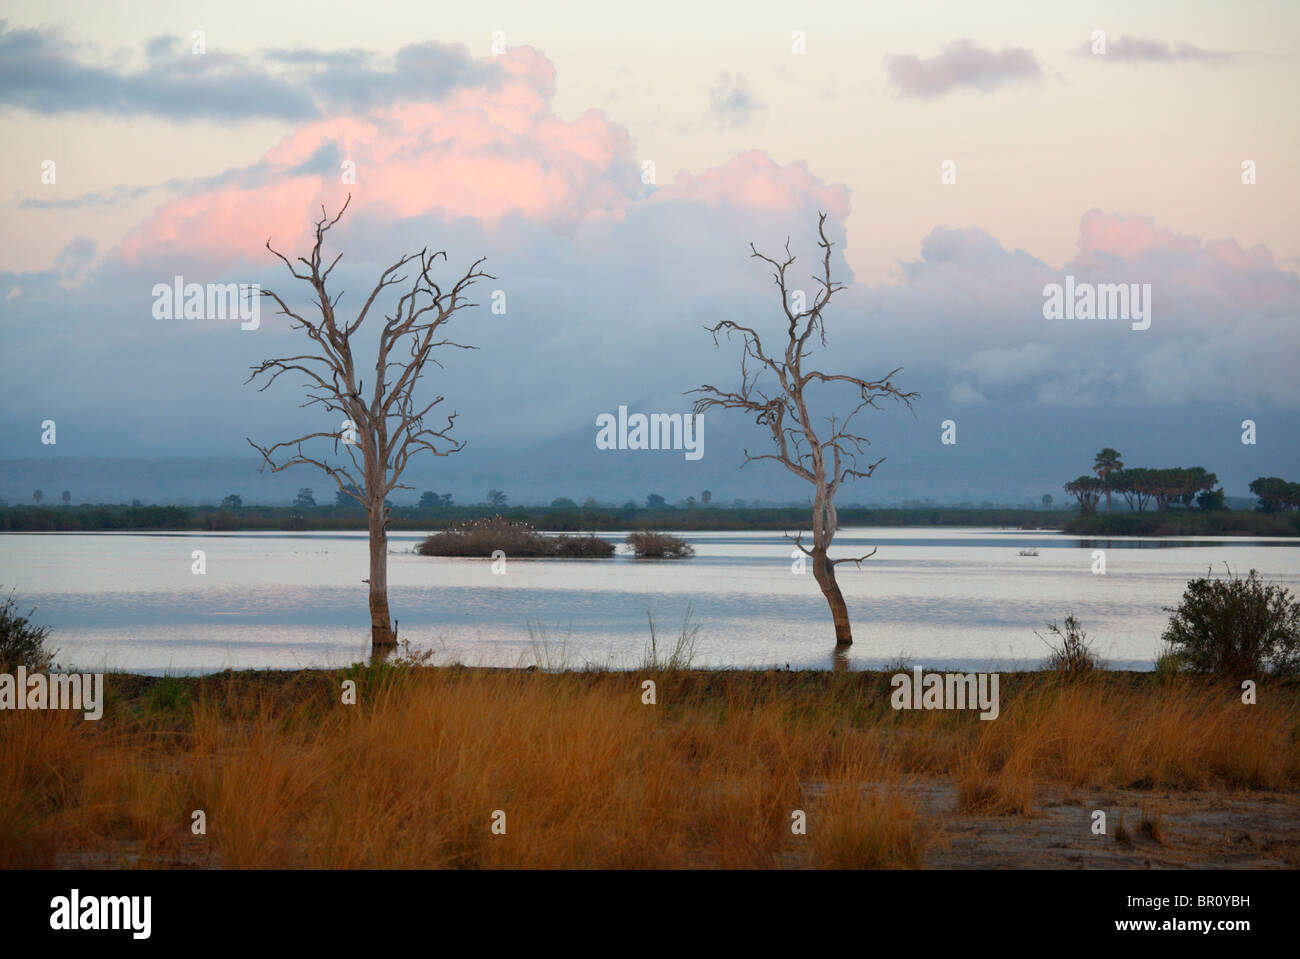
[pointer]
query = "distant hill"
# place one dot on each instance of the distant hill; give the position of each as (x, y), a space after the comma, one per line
(988, 465)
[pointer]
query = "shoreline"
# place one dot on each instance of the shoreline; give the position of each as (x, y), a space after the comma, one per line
(701, 519)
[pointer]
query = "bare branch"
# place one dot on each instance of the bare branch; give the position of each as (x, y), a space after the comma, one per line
(392, 427)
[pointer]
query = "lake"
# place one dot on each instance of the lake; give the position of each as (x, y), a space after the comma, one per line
(938, 597)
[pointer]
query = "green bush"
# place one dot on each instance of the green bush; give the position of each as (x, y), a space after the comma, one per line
(169, 695)
(22, 642)
(1169, 663)
(1211, 499)
(1235, 626)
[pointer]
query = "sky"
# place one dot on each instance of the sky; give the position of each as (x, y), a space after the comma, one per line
(614, 165)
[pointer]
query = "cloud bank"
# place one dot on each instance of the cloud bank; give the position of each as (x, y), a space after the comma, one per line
(609, 281)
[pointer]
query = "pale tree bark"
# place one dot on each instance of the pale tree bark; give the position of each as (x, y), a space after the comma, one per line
(775, 389)
(380, 431)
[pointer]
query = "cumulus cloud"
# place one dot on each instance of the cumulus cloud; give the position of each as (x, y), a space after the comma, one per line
(1221, 269)
(752, 180)
(484, 152)
(601, 275)
(609, 286)
(493, 154)
(1222, 323)
(963, 64)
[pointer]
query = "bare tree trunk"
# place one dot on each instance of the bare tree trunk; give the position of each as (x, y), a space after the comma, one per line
(824, 573)
(381, 623)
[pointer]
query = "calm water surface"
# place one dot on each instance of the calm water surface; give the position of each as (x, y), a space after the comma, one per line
(939, 597)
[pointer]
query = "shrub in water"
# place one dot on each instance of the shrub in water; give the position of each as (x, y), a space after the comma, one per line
(650, 545)
(482, 537)
(589, 545)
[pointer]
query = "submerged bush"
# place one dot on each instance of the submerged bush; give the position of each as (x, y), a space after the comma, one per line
(1235, 626)
(482, 537)
(22, 642)
(580, 546)
(647, 544)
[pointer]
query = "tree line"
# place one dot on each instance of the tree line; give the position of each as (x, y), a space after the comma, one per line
(1275, 495)
(1141, 487)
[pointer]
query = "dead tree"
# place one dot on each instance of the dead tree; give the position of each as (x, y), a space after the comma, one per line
(775, 390)
(387, 425)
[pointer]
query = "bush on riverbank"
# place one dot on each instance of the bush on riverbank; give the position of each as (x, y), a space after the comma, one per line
(1236, 627)
(483, 537)
(22, 642)
(1071, 653)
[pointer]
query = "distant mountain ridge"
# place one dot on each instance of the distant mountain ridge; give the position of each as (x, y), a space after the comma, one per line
(996, 459)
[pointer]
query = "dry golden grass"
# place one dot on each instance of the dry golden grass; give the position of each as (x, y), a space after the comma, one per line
(587, 775)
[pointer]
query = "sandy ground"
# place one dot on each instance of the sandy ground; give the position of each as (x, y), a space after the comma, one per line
(1202, 830)
(1197, 830)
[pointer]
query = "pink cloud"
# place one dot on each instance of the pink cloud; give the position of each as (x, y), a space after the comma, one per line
(1248, 276)
(754, 180)
(1127, 237)
(484, 152)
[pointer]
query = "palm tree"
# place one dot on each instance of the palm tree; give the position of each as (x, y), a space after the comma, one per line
(1107, 462)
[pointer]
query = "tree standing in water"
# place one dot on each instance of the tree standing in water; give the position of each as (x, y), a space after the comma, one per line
(776, 388)
(387, 427)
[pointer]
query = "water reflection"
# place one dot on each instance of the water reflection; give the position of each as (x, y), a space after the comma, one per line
(963, 599)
